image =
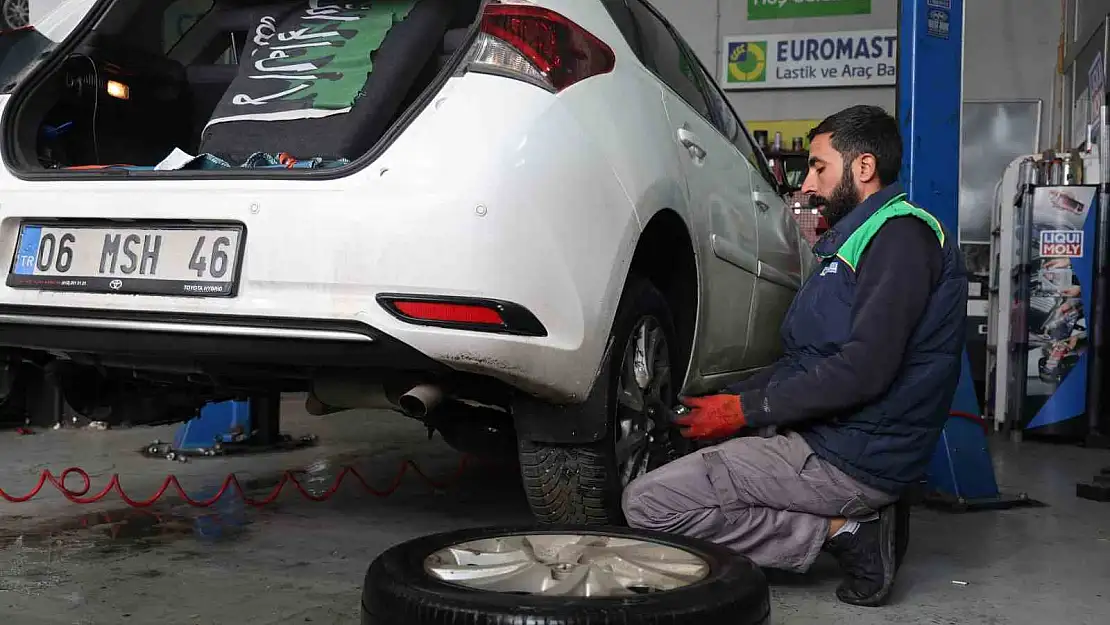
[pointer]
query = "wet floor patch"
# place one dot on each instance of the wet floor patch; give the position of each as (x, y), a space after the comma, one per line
(91, 552)
(34, 556)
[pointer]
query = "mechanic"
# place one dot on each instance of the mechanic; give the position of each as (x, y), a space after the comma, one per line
(873, 344)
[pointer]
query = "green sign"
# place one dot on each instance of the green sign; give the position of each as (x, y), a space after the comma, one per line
(790, 9)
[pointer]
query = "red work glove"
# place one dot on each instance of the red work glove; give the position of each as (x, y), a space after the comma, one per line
(712, 416)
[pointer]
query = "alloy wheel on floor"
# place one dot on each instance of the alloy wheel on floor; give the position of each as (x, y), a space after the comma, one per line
(568, 565)
(563, 575)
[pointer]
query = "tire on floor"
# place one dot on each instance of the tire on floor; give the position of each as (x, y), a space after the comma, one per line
(544, 575)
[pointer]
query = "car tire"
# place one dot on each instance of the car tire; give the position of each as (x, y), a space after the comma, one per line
(408, 583)
(582, 484)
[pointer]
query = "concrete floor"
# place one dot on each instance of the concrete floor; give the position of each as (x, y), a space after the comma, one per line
(302, 562)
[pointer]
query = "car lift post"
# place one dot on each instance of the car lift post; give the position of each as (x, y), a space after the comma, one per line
(929, 101)
(265, 411)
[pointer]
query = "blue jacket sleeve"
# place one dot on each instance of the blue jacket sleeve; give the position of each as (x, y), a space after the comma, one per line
(895, 278)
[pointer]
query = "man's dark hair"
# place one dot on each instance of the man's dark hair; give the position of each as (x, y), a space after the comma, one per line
(864, 129)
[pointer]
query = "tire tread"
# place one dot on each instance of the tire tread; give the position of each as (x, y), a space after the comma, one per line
(566, 484)
(578, 484)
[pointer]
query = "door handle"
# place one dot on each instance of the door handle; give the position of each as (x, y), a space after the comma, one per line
(762, 206)
(690, 141)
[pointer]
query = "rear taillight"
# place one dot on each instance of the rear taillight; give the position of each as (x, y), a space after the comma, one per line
(450, 313)
(463, 313)
(538, 45)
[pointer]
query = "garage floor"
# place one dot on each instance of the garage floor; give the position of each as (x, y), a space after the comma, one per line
(302, 562)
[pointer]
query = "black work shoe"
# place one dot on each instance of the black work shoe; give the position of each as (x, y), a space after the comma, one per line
(867, 560)
(901, 532)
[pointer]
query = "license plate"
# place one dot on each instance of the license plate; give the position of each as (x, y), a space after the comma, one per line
(182, 260)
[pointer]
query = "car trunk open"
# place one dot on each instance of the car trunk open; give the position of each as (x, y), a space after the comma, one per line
(234, 87)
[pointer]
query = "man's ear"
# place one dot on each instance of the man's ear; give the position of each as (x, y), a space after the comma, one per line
(866, 169)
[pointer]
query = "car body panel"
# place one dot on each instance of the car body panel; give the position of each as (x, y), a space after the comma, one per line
(724, 216)
(416, 221)
(497, 189)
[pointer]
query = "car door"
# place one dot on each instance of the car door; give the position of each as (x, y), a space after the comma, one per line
(780, 248)
(781, 253)
(719, 187)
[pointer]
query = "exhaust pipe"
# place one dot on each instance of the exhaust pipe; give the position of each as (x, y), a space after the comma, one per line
(332, 394)
(421, 400)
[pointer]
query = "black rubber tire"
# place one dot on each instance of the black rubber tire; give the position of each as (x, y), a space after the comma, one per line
(398, 591)
(579, 484)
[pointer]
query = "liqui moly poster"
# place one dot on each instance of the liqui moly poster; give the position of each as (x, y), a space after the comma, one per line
(1061, 278)
(1061, 244)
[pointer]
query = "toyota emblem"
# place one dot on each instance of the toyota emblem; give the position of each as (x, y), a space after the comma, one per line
(116, 284)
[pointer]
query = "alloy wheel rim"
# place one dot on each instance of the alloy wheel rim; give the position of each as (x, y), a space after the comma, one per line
(17, 13)
(567, 565)
(643, 387)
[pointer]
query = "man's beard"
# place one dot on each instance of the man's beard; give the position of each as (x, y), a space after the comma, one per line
(843, 199)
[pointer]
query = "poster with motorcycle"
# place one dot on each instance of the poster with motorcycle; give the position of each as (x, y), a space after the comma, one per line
(1061, 278)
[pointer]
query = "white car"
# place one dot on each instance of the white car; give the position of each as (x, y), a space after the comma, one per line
(530, 224)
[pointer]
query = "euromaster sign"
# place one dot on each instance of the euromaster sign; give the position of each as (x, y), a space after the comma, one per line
(864, 58)
(791, 9)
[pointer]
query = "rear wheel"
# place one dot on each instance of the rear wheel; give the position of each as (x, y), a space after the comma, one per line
(582, 484)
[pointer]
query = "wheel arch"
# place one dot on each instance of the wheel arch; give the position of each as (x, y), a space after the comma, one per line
(665, 254)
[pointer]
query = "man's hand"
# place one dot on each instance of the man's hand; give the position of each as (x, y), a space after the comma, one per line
(712, 416)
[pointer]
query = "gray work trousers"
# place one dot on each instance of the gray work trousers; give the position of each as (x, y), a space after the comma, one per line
(770, 499)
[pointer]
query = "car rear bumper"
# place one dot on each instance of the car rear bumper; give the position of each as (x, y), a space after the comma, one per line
(207, 343)
(518, 207)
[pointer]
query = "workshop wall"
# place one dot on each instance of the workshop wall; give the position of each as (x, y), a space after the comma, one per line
(1087, 15)
(1083, 63)
(1010, 50)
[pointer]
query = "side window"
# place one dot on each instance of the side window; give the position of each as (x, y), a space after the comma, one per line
(664, 55)
(622, 17)
(724, 118)
(732, 128)
(755, 156)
